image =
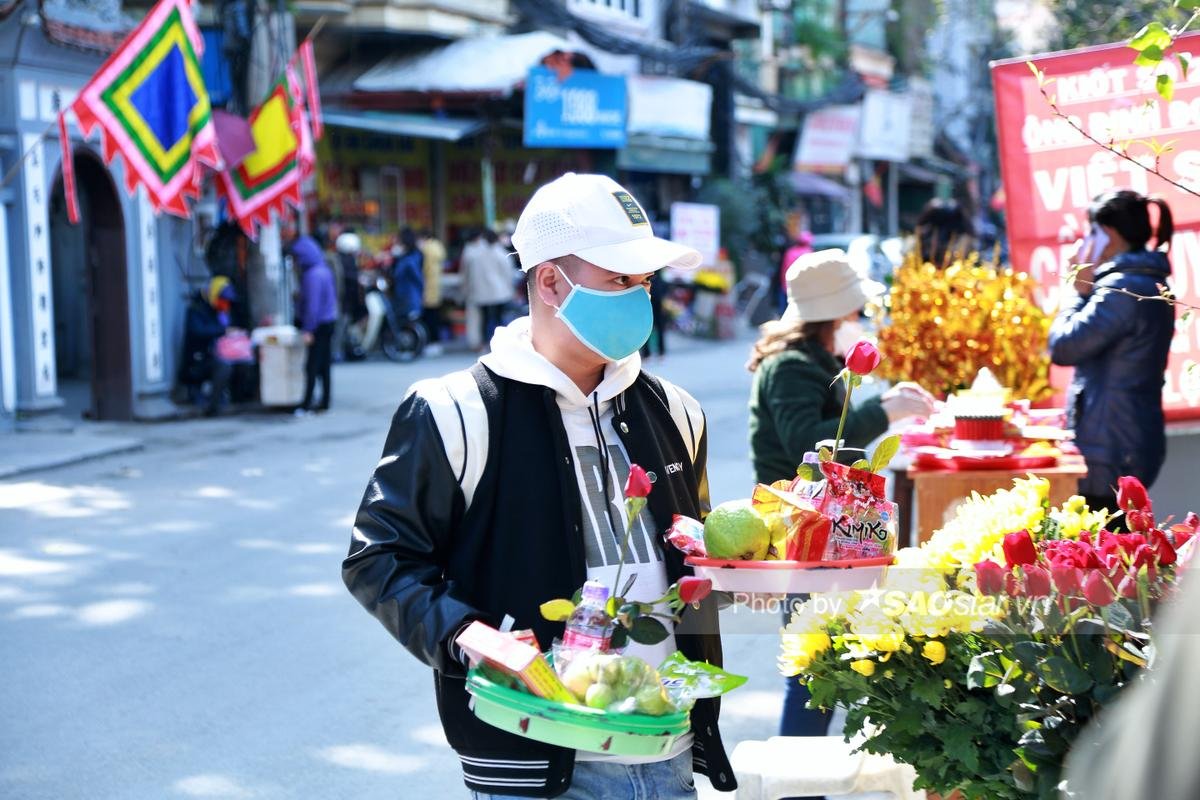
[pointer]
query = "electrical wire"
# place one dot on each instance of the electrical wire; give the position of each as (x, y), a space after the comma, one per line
(686, 57)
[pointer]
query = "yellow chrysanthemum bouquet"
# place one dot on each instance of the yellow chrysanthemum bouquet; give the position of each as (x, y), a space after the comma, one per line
(996, 627)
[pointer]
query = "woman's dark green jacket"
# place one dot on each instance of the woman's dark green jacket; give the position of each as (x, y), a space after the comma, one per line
(795, 403)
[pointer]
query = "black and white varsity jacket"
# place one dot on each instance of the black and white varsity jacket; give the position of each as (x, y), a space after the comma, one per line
(473, 512)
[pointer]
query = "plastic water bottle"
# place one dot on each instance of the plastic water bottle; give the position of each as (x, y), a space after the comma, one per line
(589, 626)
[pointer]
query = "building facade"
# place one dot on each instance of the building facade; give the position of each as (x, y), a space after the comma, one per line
(90, 314)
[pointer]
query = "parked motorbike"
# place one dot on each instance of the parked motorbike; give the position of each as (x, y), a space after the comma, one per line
(401, 337)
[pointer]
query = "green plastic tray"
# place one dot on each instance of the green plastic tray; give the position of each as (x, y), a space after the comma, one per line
(574, 726)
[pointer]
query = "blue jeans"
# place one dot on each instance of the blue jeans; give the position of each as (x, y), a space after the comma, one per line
(599, 780)
(797, 718)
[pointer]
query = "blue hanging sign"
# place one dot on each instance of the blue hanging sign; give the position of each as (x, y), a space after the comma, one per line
(586, 110)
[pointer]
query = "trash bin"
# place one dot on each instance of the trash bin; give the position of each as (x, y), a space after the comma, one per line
(281, 354)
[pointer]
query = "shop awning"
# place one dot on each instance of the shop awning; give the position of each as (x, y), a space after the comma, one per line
(812, 185)
(418, 126)
(918, 174)
(482, 65)
(666, 154)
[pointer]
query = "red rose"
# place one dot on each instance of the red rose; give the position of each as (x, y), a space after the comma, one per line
(638, 484)
(1128, 587)
(862, 358)
(1120, 546)
(1140, 520)
(1067, 579)
(1192, 521)
(693, 589)
(1164, 552)
(1096, 588)
(1144, 556)
(989, 577)
(1037, 581)
(1019, 549)
(1064, 552)
(1131, 494)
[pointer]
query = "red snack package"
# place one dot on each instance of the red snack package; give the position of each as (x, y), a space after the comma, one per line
(810, 536)
(863, 519)
(807, 528)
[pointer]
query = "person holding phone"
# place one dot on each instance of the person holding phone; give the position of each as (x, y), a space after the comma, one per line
(1118, 343)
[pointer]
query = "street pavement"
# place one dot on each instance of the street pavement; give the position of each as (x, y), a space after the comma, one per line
(174, 624)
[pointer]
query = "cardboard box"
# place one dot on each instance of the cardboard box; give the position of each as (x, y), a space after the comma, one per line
(515, 657)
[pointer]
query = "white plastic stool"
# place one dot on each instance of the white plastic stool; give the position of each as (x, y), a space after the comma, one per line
(801, 766)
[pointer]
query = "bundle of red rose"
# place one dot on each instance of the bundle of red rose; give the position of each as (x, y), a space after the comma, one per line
(1077, 625)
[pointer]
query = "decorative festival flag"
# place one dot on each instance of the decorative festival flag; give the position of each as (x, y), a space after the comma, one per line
(307, 154)
(68, 169)
(309, 62)
(269, 177)
(152, 107)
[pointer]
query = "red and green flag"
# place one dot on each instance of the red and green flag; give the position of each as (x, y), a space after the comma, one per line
(270, 178)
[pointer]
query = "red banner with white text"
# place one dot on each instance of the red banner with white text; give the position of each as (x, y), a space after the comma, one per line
(1051, 171)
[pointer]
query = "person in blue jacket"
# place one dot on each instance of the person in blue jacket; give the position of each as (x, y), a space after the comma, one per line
(206, 321)
(408, 276)
(1118, 343)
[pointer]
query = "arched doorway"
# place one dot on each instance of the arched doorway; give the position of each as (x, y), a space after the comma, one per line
(91, 296)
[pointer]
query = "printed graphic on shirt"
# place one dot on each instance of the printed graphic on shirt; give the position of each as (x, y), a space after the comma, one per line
(604, 527)
(631, 208)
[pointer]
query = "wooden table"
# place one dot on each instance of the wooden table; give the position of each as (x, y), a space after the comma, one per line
(937, 492)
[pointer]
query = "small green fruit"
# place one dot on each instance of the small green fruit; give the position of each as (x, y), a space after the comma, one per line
(631, 670)
(599, 696)
(610, 672)
(653, 700)
(576, 679)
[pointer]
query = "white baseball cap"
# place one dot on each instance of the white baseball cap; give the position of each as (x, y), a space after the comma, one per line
(823, 286)
(595, 218)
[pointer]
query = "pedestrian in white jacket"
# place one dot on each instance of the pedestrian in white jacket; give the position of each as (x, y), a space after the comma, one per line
(490, 279)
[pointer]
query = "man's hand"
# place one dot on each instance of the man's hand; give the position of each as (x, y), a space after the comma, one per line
(308, 338)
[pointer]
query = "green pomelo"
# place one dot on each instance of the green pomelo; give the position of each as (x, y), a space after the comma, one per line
(735, 531)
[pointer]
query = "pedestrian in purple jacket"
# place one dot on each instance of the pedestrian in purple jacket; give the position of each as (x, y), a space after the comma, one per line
(318, 316)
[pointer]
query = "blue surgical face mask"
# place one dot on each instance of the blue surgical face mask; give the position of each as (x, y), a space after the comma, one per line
(614, 325)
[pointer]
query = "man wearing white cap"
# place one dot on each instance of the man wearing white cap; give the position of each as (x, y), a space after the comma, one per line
(500, 488)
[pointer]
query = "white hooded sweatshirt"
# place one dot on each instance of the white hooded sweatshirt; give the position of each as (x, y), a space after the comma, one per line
(588, 420)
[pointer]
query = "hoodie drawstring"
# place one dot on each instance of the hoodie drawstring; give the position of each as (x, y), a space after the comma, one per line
(605, 463)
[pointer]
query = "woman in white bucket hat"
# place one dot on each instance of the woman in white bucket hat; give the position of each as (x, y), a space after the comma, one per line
(796, 399)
